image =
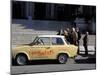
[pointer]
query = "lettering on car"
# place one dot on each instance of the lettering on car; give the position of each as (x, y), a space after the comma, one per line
(39, 53)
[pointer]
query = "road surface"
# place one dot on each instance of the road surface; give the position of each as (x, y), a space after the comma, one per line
(80, 63)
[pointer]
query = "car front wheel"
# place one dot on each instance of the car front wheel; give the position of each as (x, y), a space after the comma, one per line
(62, 58)
(21, 60)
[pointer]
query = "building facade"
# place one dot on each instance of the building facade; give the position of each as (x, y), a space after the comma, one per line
(56, 12)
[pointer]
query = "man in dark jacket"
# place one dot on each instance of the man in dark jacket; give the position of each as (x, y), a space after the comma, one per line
(85, 43)
(79, 37)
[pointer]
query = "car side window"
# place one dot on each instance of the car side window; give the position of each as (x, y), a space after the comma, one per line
(45, 40)
(57, 41)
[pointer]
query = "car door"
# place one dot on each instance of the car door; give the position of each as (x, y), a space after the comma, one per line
(57, 46)
(41, 50)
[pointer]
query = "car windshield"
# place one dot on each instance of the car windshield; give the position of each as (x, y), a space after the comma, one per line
(33, 43)
(41, 41)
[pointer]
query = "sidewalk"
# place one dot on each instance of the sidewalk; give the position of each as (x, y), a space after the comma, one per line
(91, 49)
(90, 58)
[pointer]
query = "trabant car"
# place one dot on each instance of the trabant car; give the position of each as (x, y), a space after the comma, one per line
(44, 47)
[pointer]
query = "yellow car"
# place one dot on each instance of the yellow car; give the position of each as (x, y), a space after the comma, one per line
(44, 47)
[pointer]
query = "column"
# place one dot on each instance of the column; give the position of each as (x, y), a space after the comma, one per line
(47, 11)
(33, 9)
(30, 10)
(80, 9)
(52, 11)
(27, 9)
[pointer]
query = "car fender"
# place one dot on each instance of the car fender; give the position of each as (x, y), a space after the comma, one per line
(63, 52)
(23, 52)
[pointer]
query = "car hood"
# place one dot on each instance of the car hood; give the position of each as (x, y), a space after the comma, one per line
(17, 47)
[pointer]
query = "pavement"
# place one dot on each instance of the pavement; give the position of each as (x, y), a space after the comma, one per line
(51, 68)
(81, 62)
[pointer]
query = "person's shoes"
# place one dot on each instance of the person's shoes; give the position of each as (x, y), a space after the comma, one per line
(78, 53)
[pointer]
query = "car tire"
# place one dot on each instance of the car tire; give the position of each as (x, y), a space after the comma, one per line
(21, 59)
(62, 58)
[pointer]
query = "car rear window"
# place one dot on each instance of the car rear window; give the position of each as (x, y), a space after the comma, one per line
(57, 41)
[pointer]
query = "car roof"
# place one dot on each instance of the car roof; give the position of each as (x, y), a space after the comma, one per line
(51, 36)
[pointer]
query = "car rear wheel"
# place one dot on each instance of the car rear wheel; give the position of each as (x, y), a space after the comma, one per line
(62, 58)
(21, 60)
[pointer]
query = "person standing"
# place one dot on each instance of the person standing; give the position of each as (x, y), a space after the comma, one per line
(85, 42)
(74, 37)
(65, 34)
(79, 37)
(69, 35)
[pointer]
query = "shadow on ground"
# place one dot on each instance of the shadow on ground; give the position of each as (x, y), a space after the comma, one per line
(90, 59)
(46, 62)
(38, 62)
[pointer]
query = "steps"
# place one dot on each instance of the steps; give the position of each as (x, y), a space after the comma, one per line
(24, 31)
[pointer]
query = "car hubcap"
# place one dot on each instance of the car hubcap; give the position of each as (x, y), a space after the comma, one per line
(21, 60)
(62, 59)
